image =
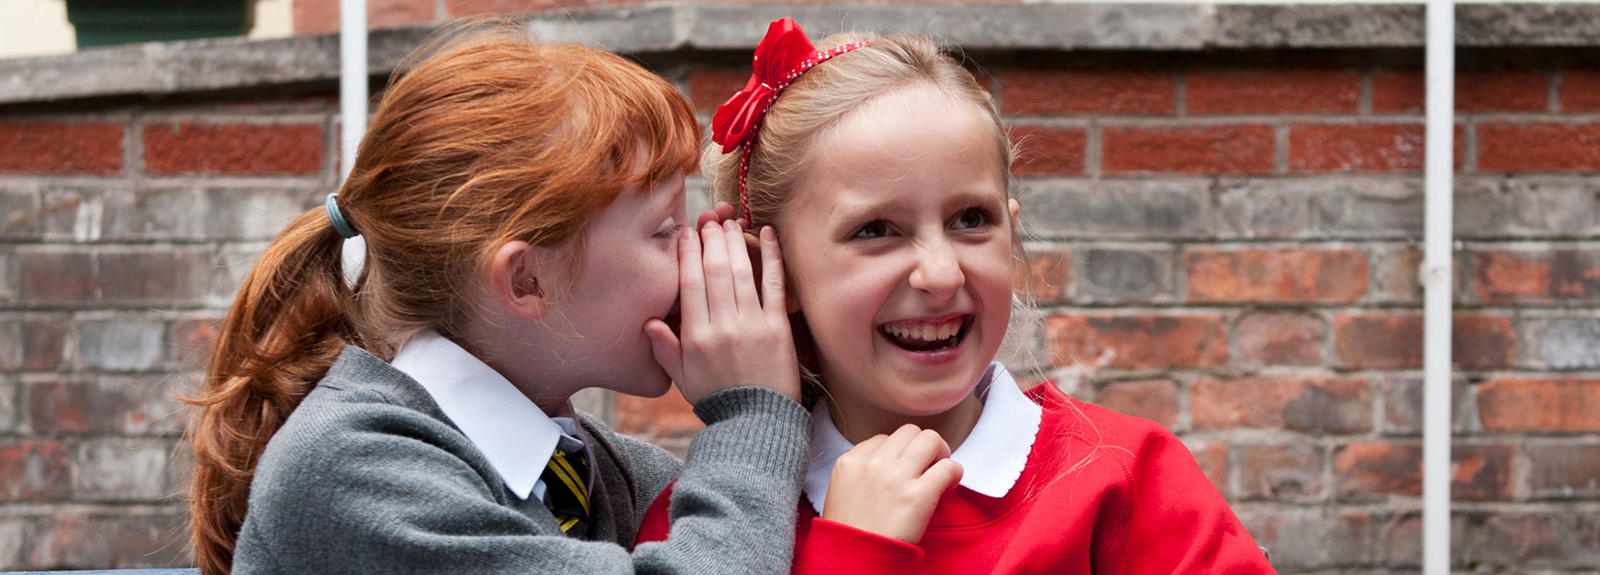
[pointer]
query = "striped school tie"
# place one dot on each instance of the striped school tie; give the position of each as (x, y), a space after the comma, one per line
(567, 489)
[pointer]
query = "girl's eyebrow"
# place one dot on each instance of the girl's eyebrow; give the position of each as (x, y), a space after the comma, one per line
(849, 209)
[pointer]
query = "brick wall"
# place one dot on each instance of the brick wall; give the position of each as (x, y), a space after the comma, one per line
(1227, 244)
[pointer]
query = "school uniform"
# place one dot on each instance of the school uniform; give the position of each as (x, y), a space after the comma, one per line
(433, 464)
(1050, 485)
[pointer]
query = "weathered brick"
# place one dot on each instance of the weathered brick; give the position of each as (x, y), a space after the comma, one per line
(1312, 405)
(1480, 472)
(122, 344)
(11, 344)
(1504, 276)
(1398, 541)
(1398, 92)
(1282, 275)
(114, 405)
(93, 148)
(10, 415)
(1049, 274)
(1356, 148)
(192, 337)
(1154, 399)
(1538, 147)
(1403, 406)
(75, 213)
(1484, 341)
(120, 469)
(1394, 275)
(19, 213)
(1212, 456)
(1141, 341)
(79, 541)
(1264, 209)
(1513, 404)
(248, 149)
(1580, 91)
(1279, 339)
(1572, 343)
(1124, 275)
(1563, 470)
(1288, 472)
(665, 416)
(233, 263)
(711, 87)
(34, 470)
(1369, 209)
(192, 214)
(1049, 151)
(1105, 209)
(1557, 539)
(1207, 149)
(1299, 91)
(1028, 92)
(1501, 91)
(1482, 207)
(1552, 206)
(1377, 340)
(1367, 470)
(1304, 539)
(56, 276)
(117, 276)
(15, 539)
(43, 342)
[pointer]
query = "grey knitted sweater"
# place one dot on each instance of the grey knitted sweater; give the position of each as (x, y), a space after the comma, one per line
(369, 476)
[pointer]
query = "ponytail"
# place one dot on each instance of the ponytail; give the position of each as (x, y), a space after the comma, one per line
(288, 323)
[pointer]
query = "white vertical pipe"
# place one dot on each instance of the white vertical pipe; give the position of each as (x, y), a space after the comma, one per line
(1437, 282)
(352, 81)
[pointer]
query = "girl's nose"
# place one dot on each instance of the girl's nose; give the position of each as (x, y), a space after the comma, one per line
(937, 272)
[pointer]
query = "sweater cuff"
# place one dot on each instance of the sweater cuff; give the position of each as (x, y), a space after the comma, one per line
(753, 425)
(832, 547)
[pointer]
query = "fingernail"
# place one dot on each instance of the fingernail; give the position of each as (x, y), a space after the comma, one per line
(731, 226)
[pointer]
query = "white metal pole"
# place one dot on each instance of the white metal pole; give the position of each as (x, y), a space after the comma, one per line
(352, 81)
(1436, 277)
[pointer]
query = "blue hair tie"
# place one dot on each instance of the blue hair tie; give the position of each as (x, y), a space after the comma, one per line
(343, 227)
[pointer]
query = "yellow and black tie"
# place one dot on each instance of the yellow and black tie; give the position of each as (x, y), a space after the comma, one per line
(567, 489)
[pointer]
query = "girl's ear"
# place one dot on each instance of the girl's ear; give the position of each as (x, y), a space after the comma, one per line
(514, 279)
(1015, 207)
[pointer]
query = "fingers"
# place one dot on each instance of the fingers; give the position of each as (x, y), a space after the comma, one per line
(717, 269)
(691, 280)
(943, 475)
(721, 213)
(772, 276)
(666, 348)
(744, 283)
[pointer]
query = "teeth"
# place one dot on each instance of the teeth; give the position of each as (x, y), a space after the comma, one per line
(926, 332)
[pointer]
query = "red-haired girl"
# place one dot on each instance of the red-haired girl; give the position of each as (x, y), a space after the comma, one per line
(522, 206)
(884, 165)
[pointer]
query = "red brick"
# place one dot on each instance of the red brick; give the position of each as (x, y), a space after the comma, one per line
(1280, 339)
(710, 87)
(1580, 91)
(1502, 92)
(1289, 275)
(1273, 91)
(1049, 150)
(666, 416)
(56, 277)
(61, 148)
(120, 406)
(1050, 272)
(1313, 405)
(190, 147)
(1212, 456)
(1281, 471)
(43, 343)
(1167, 341)
(1540, 405)
(1483, 341)
(1539, 147)
(1243, 149)
(1363, 470)
(315, 17)
(1039, 92)
(1480, 472)
(1377, 341)
(1503, 276)
(1155, 399)
(1398, 92)
(1356, 148)
(1564, 471)
(34, 470)
(395, 13)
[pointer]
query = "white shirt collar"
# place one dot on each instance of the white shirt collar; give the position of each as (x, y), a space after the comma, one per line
(992, 457)
(515, 435)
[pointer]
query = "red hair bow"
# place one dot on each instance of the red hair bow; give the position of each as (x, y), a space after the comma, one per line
(783, 55)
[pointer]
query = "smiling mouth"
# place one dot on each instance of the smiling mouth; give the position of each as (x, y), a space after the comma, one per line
(927, 336)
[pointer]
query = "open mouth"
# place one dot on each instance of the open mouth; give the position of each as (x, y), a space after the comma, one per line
(921, 335)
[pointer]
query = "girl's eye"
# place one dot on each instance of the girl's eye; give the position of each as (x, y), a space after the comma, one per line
(873, 229)
(669, 228)
(970, 218)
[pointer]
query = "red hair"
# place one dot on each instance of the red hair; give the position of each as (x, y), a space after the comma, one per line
(486, 138)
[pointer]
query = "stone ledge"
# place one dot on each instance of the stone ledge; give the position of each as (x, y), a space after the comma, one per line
(237, 63)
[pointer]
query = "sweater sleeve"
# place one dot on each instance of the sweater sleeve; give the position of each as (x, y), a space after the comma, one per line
(1166, 489)
(382, 489)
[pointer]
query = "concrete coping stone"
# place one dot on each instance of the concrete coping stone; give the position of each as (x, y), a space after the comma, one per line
(156, 69)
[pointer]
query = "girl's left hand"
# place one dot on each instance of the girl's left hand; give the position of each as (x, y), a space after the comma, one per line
(731, 334)
(889, 484)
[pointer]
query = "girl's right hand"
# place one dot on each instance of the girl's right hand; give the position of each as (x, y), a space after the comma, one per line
(731, 335)
(889, 484)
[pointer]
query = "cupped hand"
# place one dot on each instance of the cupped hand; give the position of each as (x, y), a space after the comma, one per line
(889, 484)
(732, 333)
